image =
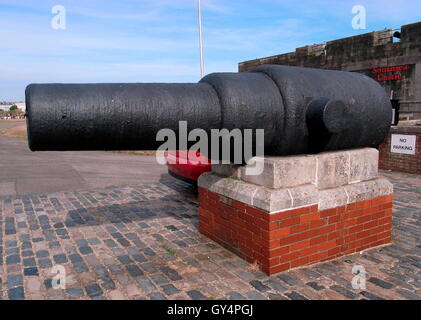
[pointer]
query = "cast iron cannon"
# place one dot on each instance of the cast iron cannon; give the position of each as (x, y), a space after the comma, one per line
(301, 110)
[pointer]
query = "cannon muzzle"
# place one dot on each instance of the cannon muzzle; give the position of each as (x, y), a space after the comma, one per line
(301, 110)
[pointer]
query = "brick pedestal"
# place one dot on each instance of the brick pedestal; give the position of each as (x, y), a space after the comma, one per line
(300, 210)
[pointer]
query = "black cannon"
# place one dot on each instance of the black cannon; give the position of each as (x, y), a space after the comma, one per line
(301, 110)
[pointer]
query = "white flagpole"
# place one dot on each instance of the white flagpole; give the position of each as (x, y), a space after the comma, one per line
(202, 64)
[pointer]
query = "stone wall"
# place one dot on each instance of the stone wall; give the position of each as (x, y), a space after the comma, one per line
(369, 54)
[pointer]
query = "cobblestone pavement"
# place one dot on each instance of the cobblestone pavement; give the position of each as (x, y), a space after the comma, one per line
(141, 242)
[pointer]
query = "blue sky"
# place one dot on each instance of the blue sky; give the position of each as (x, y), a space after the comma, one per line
(157, 40)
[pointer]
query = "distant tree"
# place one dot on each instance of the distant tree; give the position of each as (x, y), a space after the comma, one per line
(1, 111)
(16, 112)
(14, 107)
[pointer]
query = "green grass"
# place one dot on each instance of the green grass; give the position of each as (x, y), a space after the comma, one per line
(169, 250)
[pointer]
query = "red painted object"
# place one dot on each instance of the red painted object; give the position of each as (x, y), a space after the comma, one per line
(187, 165)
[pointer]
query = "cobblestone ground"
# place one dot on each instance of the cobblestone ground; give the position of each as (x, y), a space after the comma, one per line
(141, 242)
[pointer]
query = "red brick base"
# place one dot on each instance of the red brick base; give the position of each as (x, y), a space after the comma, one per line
(288, 239)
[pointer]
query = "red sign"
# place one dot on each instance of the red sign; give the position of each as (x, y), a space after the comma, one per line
(389, 73)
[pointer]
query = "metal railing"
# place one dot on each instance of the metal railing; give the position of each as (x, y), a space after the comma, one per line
(409, 102)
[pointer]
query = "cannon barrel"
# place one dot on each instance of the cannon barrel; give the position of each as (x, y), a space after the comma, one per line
(301, 110)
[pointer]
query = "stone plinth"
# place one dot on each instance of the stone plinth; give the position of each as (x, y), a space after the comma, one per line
(300, 210)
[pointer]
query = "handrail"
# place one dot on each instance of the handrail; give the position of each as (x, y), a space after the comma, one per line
(409, 102)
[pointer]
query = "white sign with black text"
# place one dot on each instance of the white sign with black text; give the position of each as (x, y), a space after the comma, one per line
(404, 144)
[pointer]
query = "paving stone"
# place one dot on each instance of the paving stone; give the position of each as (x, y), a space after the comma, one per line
(255, 295)
(116, 295)
(123, 242)
(80, 267)
(14, 280)
(381, 283)
(315, 285)
(171, 273)
(133, 291)
(287, 279)
(148, 252)
(125, 259)
(345, 292)
(107, 283)
(60, 258)
(16, 293)
(169, 289)
(139, 258)
(82, 242)
(110, 243)
(156, 296)
(295, 296)
(12, 251)
(75, 258)
(235, 296)
(93, 290)
(33, 285)
(44, 263)
(259, 286)
(275, 285)
(75, 292)
(408, 294)
(42, 254)
(196, 295)
(370, 296)
(29, 262)
(124, 280)
(145, 284)
(30, 271)
(101, 271)
(26, 245)
(85, 250)
(246, 276)
(11, 244)
(110, 249)
(115, 269)
(94, 241)
(27, 253)
(134, 271)
(159, 279)
(48, 283)
(13, 259)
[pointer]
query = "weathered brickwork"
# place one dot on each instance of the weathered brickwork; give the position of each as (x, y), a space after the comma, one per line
(401, 162)
(293, 238)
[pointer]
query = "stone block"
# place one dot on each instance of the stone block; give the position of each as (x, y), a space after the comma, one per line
(332, 198)
(332, 169)
(283, 172)
(207, 180)
(230, 188)
(227, 170)
(364, 164)
(367, 190)
(272, 200)
(302, 196)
